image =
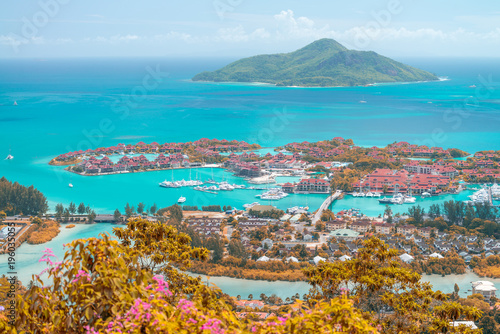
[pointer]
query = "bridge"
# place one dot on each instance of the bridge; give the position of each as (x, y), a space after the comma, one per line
(325, 205)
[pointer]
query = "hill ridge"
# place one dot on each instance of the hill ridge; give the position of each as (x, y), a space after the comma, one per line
(322, 63)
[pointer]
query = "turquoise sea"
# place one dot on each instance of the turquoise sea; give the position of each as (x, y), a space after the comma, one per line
(70, 104)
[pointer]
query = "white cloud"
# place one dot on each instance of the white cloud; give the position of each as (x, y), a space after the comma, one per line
(121, 38)
(238, 34)
(290, 27)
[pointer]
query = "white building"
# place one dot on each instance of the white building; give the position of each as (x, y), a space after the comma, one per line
(486, 288)
(406, 258)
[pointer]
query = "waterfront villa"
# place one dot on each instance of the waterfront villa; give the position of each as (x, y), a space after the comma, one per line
(402, 181)
(313, 186)
(485, 288)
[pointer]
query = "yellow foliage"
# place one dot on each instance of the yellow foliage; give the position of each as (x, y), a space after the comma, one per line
(47, 231)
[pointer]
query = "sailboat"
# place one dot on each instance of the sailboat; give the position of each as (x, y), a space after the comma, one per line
(10, 156)
(362, 100)
(15, 103)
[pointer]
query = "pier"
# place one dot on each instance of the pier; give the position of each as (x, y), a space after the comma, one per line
(325, 205)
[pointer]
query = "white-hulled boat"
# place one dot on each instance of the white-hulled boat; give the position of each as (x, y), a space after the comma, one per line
(409, 199)
(426, 194)
(70, 185)
(225, 186)
(181, 199)
(168, 184)
(251, 205)
(10, 156)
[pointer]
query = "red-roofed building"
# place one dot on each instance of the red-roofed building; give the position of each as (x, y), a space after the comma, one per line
(313, 186)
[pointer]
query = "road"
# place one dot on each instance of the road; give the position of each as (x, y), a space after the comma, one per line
(325, 206)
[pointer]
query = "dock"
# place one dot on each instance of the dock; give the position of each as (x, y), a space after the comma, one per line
(325, 205)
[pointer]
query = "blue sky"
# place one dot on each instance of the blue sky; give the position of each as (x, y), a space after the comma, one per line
(236, 28)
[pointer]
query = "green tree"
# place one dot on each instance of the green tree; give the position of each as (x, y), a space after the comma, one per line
(59, 211)
(388, 213)
(434, 211)
(81, 208)
(117, 215)
(417, 213)
(140, 208)
(216, 245)
(91, 216)
(488, 325)
(66, 216)
(129, 210)
(173, 212)
(72, 208)
(153, 208)
(237, 249)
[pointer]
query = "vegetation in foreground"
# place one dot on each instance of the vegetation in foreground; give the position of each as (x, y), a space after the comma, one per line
(134, 285)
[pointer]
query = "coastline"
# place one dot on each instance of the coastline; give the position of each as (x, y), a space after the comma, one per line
(375, 84)
(139, 171)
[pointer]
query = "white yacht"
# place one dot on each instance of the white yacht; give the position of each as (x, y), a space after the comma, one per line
(251, 205)
(70, 185)
(426, 194)
(168, 184)
(273, 194)
(181, 199)
(409, 199)
(480, 196)
(225, 186)
(369, 194)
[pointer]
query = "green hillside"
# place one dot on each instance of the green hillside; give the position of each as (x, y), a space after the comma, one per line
(322, 63)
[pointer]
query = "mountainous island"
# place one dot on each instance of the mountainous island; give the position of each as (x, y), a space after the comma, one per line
(323, 63)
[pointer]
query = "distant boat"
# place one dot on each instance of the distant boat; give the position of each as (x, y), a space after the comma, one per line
(362, 101)
(181, 199)
(70, 185)
(15, 103)
(472, 86)
(10, 156)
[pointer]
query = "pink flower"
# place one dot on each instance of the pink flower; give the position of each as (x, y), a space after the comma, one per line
(81, 273)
